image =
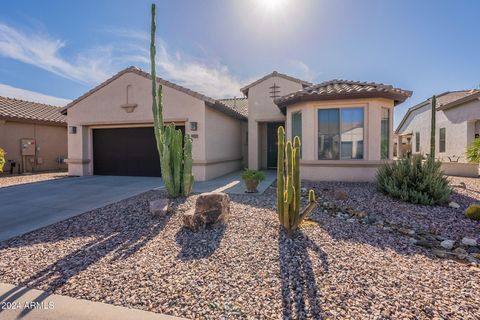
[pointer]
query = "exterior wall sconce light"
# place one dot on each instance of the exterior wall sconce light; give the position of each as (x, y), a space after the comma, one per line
(193, 126)
(72, 129)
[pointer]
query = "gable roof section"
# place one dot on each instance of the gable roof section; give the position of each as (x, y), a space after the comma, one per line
(11, 108)
(445, 100)
(344, 89)
(216, 104)
(238, 104)
(304, 83)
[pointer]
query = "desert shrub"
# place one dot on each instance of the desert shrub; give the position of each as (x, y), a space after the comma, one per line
(2, 159)
(473, 151)
(414, 180)
(473, 212)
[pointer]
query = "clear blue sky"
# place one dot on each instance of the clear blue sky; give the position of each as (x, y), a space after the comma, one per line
(63, 48)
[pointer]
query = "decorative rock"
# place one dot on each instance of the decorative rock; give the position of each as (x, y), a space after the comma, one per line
(454, 205)
(439, 253)
(424, 243)
(406, 231)
(159, 208)
(469, 242)
(210, 208)
(461, 253)
(352, 220)
(360, 214)
(476, 255)
(194, 222)
(447, 244)
(340, 195)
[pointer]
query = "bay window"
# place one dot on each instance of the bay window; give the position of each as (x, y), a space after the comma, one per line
(340, 133)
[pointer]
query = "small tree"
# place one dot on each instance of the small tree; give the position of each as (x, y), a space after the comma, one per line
(473, 151)
(432, 130)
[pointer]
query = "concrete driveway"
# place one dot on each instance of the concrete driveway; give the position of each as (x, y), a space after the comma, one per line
(27, 207)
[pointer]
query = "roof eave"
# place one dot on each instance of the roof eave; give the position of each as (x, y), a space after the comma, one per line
(459, 101)
(396, 97)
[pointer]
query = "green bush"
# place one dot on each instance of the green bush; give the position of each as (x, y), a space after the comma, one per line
(473, 151)
(473, 212)
(255, 175)
(414, 180)
(2, 159)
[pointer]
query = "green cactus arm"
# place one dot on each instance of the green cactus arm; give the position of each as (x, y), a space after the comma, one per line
(280, 175)
(177, 159)
(296, 176)
(188, 178)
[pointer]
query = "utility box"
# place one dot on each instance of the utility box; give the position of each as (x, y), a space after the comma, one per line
(28, 147)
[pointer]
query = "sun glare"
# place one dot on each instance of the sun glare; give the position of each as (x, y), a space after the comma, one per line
(271, 5)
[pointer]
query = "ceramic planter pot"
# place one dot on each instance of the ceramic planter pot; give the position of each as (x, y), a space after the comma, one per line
(251, 185)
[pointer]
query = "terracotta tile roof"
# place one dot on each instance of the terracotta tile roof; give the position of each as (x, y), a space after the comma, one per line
(238, 104)
(244, 90)
(344, 89)
(209, 101)
(445, 100)
(11, 108)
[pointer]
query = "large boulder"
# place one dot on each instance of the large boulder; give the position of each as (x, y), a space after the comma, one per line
(210, 208)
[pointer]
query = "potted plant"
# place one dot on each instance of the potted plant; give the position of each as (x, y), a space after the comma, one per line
(252, 178)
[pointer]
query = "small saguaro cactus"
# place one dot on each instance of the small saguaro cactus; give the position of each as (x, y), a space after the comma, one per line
(288, 184)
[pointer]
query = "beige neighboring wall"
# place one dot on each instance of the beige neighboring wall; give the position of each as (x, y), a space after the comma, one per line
(261, 109)
(341, 170)
(50, 139)
(216, 147)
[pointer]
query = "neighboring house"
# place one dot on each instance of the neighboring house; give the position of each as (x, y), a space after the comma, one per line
(345, 126)
(457, 124)
(34, 136)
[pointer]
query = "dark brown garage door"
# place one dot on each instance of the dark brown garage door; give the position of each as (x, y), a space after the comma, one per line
(126, 152)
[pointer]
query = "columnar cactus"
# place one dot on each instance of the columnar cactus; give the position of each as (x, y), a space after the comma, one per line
(2, 159)
(175, 162)
(432, 127)
(288, 185)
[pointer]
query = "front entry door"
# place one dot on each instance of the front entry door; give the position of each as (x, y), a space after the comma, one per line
(272, 143)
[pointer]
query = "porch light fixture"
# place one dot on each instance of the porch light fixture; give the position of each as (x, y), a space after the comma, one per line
(193, 126)
(72, 129)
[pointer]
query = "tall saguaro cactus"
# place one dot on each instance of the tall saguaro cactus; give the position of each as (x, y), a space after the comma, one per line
(432, 127)
(175, 162)
(288, 184)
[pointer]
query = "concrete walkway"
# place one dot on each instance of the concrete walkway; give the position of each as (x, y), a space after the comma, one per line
(233, 184)
(32, 304)
(27, 207)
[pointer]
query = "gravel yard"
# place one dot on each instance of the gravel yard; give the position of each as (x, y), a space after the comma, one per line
(11, 180)
(330, 269)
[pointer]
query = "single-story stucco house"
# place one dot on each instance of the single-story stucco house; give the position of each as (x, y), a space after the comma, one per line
(457, 124)
(346, 127)
(34, 136)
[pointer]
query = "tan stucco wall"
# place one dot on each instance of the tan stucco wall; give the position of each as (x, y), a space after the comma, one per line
(224, 144)
(103, 109)
(51, 142)
(341, 170)
(261, 108)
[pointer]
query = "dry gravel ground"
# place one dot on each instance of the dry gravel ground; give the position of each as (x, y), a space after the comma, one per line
(7, 180)
(330, 269)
